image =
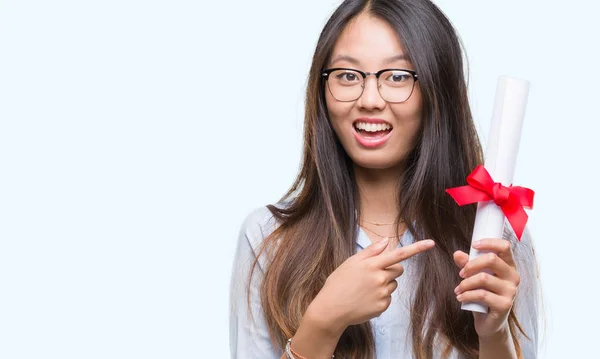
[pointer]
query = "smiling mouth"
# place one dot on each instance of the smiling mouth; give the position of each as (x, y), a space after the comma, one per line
(372, 130)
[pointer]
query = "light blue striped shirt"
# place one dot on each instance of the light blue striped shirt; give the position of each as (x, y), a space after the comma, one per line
(250, 339)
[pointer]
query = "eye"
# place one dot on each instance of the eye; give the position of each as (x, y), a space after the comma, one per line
(397, 79)
(398, 76)
(347, 77)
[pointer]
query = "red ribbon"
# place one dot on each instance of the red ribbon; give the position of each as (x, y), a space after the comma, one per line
(482, 188)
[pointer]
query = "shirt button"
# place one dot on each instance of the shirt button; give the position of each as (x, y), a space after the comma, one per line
(382, 330)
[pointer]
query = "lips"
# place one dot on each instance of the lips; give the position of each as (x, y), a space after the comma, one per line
(372, 132)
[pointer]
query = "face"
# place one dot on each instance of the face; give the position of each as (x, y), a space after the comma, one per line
(369, 44)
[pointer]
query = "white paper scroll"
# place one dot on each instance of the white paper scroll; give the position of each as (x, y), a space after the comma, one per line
(500, 158)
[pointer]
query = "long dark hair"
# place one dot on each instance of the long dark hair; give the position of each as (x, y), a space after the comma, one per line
(319, 221)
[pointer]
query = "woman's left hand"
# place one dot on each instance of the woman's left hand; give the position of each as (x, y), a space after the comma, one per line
(498, 290)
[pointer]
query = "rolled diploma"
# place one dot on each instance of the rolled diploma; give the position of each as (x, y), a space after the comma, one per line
(500, 158)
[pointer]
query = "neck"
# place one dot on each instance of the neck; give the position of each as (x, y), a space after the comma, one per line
(378, 193)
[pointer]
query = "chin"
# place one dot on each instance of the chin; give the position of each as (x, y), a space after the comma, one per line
(376, 161)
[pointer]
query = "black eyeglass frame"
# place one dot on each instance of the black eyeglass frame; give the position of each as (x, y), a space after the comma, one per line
(325, 75)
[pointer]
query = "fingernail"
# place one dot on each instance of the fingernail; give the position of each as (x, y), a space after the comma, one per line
(456, 291)
(462, 273)
(477, 244)
(459, 297)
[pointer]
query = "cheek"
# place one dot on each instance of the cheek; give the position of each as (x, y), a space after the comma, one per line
(410, 131)
(338, 111)
(407, 134)
(410, 118)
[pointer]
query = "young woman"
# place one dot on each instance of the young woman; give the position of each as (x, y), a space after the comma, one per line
(366, 255)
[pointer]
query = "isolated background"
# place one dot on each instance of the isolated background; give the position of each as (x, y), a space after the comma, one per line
(135, 136)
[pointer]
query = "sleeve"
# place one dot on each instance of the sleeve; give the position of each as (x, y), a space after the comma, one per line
(249, 336)
(528, 295)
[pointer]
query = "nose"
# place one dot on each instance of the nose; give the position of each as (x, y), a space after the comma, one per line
(371, 98)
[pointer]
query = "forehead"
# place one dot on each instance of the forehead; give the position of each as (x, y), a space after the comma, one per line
(368, 39)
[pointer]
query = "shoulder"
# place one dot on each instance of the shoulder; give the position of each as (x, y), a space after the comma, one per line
(256, 226)
(248, 330)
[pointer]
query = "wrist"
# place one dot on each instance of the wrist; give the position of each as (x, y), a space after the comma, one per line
(501, 336)
(497, 345)
(317, 336)
(324, 321)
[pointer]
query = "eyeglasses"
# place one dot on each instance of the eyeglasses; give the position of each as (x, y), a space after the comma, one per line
(394, 85)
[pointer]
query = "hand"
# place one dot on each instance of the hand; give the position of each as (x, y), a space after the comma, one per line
(361, 287)
(498, 290)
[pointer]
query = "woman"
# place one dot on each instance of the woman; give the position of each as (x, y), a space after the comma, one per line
(365, 256)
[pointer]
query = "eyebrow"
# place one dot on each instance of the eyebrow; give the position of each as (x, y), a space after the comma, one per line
(355, 61)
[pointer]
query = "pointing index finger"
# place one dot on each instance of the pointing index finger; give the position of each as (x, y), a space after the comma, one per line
(387, 259)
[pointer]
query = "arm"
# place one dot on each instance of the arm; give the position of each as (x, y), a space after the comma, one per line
(315, 337)
(525, 306)
(365, 282)
(498, 346)
(248, 338)
(358, 290)
(513, 285)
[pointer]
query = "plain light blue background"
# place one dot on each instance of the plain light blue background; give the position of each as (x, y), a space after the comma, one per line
(135, 136)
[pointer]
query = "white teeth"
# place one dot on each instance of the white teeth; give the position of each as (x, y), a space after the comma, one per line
(371, 127)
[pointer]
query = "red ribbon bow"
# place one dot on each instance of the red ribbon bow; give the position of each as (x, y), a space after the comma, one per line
(482, 188)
